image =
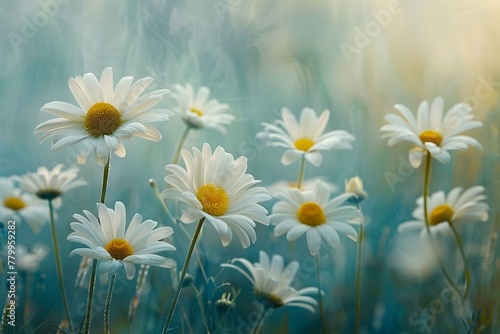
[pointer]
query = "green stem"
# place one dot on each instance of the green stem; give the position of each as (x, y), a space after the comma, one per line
(108, 303)
(88, 313)
(460, 246)
(90, 297)
(180, 145)
(427, 223)
(105, 175)
(358, 273)
(183, 274)
(153, 185)
(57, 258)
(143, 273)
(202, 308)
(301, 172)
(260, 320)
(320, 297)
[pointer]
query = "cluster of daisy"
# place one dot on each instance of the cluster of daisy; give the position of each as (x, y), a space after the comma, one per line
(310, 209)
(433, 135)
(212, 188)
(104, 117)
(212, 185)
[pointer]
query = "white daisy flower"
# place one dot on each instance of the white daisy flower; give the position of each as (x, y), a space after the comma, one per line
(198, 110)
(29, 261)
(458, 207)
(304, 138)
(21, 206)
(314, 213)
(104, 117)
(50, 184)
(414, 257)
(430, 131)
(217, 188)
(116, 245)
(272, 281)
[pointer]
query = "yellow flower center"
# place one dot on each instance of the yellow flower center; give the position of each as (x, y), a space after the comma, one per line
(440, 214)
(431, 136)
(119, 249)
(271, 299)
(311, 214)
(196, 111)
(303, 144)
(213, 199)
(14, 203)
(102, 119)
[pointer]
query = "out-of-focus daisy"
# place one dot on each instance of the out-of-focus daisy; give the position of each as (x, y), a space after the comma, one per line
(50, 184)
(458, 207)
(304, 138)
(414, 257)
(355, 186)
(21, 206)
(105, 115)
(309, 184)
(272, 281)
(217, 188)
(198, 111)
(314, 213)
(115, 245)
(431, 131)
(29, 261)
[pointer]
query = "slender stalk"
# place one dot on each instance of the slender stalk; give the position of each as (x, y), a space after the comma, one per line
(301, 172)
(108, 303)
(320, 297)
(105, 176)
(427, 223)
(153, 185)
(57, 258)
(180, 145)
(460, 246)
(260, 320)
(143, 274)
(186, 320)
(358, 271)
(183, 274)
(90, 297)
(202, 308)
(88, 313)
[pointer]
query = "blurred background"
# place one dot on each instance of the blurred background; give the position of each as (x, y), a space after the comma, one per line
(355, 58)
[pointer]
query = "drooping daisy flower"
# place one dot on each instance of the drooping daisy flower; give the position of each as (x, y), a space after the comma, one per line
(458, 207)
(21, 206)
(314, 213)
(430, 131)
(29, 261)
(198, 110)
(104, 117)
(355, 186)
(217, 188)
(50, 184)
(116, 245)
(305, 138)
(272, 282)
